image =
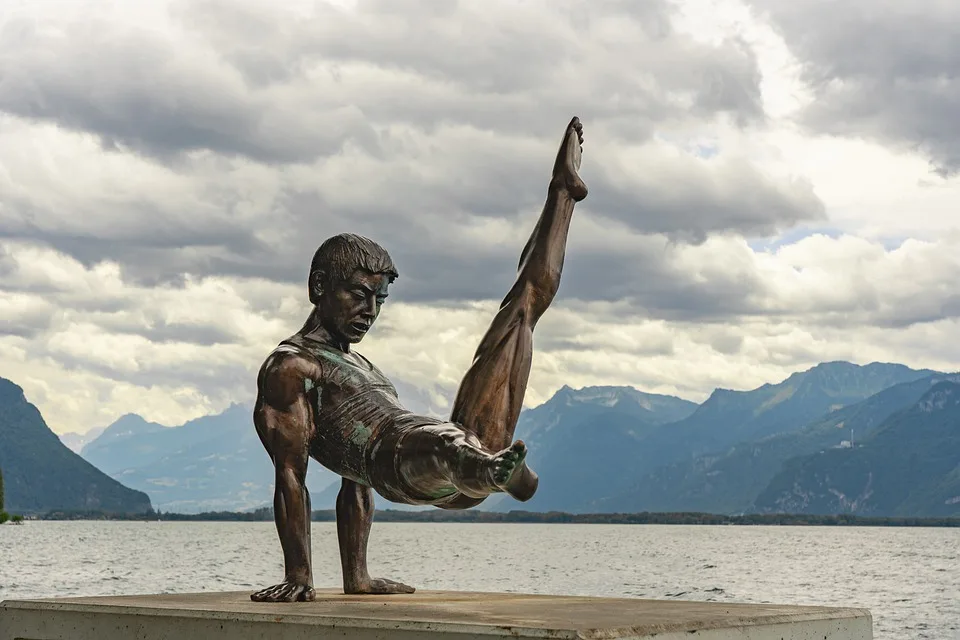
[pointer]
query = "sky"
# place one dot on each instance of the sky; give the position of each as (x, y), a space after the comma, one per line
(773, 184)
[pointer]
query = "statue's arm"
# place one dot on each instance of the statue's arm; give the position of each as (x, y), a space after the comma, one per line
(285, 422)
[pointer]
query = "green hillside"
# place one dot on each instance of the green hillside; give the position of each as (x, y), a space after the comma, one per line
(909, 467)
(731, 417)
(584, 441)
(730, 481)
(41, 474)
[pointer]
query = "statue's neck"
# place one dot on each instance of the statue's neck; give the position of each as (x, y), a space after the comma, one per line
(314, 330)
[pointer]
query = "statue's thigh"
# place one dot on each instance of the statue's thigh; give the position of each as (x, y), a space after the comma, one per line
(491, 394)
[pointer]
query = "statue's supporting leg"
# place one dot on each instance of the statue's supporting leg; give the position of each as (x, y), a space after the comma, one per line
(491, 394)
(354, 518)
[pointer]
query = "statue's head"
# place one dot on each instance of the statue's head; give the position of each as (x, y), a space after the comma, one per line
(349, 277)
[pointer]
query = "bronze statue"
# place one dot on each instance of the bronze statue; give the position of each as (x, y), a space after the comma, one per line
(318, 398)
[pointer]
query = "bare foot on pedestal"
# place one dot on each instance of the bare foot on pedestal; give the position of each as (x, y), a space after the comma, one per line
(286, 591)
(377, 586)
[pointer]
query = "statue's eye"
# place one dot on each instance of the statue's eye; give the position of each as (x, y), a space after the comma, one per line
(359, 295)
(381, 299)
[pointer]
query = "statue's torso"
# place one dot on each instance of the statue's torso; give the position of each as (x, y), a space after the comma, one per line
(354, 406)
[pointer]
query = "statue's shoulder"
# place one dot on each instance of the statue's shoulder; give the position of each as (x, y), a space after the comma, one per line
(324, 355)
(286, 375)
(326, 358)
(292, 357)
(286, 358)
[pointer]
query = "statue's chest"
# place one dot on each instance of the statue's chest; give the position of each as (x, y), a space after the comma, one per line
(350, 373)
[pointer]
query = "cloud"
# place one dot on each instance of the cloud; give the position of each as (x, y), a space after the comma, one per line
(278, 84)
(688, 198)
(730, 316)
(233, 137)
(167, 170)
(881, 69)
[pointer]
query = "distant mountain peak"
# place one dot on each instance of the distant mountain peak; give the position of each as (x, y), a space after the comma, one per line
(608, 396)
(942, 396)
(130, 422)
(10, 391)
(126, 426)
(77, 441)
(612, 396)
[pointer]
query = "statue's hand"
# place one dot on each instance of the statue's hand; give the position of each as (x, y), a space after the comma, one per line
(377, 586)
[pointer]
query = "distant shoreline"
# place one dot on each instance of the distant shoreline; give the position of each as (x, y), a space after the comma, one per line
(531, 517)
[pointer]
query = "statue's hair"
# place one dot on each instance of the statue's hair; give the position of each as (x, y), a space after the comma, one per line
(338, 257)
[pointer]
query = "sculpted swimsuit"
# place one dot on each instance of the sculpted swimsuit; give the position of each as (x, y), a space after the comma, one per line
(359, 438)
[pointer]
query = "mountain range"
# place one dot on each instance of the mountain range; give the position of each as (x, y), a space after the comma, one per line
(602, 461)
(730, 480)
(213, 463)
(582, 442)
(908, 466)
(821, 441)
(41, 474)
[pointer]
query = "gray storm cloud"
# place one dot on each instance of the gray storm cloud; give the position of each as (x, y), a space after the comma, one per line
(168, 169)
(403, 125)
(882, 69)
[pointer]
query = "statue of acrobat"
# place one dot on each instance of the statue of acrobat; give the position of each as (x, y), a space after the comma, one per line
(318, 398)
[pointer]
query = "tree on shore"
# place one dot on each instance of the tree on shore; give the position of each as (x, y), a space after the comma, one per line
(3, 514)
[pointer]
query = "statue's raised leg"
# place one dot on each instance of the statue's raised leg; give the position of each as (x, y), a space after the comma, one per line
(490, 397)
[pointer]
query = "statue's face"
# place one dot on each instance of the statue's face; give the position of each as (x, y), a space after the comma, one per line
(350, 308)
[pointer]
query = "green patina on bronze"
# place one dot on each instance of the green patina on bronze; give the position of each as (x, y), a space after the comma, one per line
(360, 434)
(443, 493)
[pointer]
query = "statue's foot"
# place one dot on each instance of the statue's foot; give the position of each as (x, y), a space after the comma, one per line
(377, 586)
(565, 170)
(511, 474)
(286, 591)
(480, 473)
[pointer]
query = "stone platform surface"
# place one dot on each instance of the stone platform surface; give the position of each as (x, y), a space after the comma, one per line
(435, 615)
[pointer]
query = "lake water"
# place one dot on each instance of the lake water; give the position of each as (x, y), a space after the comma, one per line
(908, 577)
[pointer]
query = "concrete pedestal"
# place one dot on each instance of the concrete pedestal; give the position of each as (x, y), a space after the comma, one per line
(424, 615)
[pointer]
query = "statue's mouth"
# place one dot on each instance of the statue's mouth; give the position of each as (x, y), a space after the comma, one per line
(360, 327)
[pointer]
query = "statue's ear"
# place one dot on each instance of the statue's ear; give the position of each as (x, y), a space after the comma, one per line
(317, 280)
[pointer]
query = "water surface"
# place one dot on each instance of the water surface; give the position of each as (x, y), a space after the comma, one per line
(908, 577)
